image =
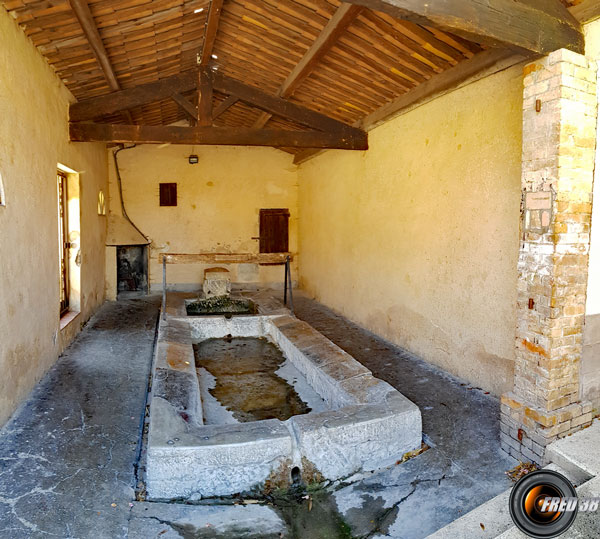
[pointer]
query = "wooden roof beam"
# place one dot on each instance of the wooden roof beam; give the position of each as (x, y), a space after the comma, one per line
(237, 136)
(90, 30)
(532, 25)
(338, 23)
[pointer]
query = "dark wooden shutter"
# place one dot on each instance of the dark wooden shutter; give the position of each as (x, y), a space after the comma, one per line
(274, 230)
(168, 194)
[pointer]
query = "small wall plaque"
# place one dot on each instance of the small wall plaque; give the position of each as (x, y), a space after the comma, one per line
(538, 211)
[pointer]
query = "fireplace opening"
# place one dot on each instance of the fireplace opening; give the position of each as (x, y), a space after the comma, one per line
(132, 270)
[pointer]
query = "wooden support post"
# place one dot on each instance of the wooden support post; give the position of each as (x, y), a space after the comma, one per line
(205, 98)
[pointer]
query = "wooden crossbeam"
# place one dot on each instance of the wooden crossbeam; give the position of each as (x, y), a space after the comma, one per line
(539, 26)
(90, 30)
(210, 31)
(186, 105)
(224, 105)
(224, 136)
(338, 23)
(481, 65)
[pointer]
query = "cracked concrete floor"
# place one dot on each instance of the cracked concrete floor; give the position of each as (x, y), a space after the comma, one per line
(68, 456)
(69, 453)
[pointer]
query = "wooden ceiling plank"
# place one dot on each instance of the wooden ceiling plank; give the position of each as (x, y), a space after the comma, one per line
(539, 27)
(144, 134)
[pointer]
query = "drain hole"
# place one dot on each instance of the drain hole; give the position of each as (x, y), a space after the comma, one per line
(296, 475)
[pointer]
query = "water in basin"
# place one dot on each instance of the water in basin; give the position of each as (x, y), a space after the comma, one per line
(246, 379)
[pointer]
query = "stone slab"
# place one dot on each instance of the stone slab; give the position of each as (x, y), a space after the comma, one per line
(216, 460)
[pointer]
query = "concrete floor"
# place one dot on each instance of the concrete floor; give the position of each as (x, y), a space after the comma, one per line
(68, 464)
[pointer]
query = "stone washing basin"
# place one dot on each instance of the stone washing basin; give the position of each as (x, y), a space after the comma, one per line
(367, 424)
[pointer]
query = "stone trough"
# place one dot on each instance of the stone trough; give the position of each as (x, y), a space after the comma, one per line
(366, 423)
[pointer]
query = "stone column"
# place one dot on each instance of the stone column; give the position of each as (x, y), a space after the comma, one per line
(559, 140)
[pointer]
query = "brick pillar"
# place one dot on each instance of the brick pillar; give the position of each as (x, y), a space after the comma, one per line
(559, 140)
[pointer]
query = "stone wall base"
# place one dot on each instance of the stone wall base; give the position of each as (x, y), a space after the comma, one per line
(526, 431)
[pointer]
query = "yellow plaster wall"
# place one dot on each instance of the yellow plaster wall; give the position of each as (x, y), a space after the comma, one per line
(33, 140)
(218, 206)
(417, 238)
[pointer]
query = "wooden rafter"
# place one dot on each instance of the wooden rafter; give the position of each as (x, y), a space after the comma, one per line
(88, 25)
(210, 32)
(533, 25)
(224, 106)
(238, 136)
(190, 109)
(338, 23)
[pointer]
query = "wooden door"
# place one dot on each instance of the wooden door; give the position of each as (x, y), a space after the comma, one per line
(274, 235)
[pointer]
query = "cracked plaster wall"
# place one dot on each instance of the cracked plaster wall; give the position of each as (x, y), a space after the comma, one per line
(33, 140)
